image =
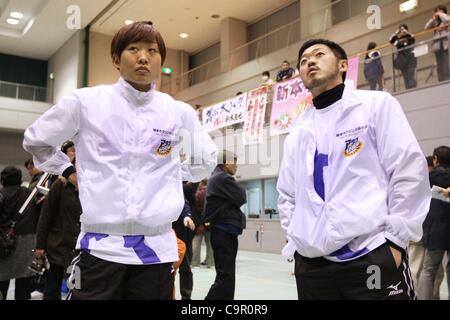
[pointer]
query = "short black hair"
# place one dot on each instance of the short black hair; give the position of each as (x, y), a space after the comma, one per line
(441, 7)
(285, 61)
(266, 73)
(28, 162)
(11, 176)
(371, 45)
(442, 154)
(66, 146)
(338, 51)
(430, 161)
(404, 26)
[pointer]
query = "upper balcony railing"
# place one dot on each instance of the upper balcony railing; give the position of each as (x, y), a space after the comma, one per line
(424, 72)
(318, 21)
(22, 91)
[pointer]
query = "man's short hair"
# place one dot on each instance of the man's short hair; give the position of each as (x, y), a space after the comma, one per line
(11, 176)
(136, 32)
(28, 162)
(285, 61)
(442, 154)
(338, 51)
(226, 156)
(441, 7)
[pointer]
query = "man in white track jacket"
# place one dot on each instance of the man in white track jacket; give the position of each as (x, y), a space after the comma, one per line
(129, 138)
(353, 186)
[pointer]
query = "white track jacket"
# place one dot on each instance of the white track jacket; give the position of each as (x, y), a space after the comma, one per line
(376, 182)
(128, 155)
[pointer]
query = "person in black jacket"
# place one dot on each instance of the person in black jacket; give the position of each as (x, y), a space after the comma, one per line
(184, 227)
(436, 227)
(222, 213)
(58, 229)
(405, 60)
(15, 266)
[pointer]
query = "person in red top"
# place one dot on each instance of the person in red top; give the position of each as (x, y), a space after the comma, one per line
(201, 231)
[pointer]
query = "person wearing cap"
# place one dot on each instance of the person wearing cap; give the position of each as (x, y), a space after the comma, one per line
(58, 229)
(129, 139)
(222, 214)
(353, 186)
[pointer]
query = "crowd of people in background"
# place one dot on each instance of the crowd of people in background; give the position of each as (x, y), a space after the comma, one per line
(404, 57)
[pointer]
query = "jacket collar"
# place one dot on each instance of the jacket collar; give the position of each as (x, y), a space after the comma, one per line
(135, 96)
(349, 100)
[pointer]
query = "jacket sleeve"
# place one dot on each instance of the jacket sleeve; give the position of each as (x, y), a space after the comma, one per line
(286, 185)
(445, 18)
(186, 210)
(48, 214)
(43, 138)
(393, 39)
(431, 24)
(406, 170)
(199, 148)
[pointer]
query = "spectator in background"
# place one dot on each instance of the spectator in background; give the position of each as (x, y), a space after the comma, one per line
(286, 72)
(224, 197)
(405, 61)
(373, 68)
(436, 227)
(15, 266)
(184, 228)
(58, 229)
(266, 81)
(201, 231)
(440, 44)
(416, 254)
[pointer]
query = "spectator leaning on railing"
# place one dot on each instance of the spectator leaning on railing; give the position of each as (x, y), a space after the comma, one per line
(286, 72)
(440, 45)
(405, 61)
(373, 67)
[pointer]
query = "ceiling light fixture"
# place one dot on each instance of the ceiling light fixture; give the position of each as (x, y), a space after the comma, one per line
(16, 15)
(215, 16)
(128, 22)
(12, 21)
(408, 5)
(184, 35)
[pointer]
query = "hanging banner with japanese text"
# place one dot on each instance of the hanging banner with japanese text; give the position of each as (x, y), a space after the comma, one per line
(225, 113)
(291, 98)
(256, 110)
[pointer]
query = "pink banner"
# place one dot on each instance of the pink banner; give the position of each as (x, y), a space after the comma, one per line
(291, 98)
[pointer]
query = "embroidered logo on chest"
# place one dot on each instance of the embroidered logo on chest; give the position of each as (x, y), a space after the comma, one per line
(353, 147)
(165, 148)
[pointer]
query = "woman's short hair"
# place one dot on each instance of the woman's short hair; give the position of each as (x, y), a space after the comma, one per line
(137, 32)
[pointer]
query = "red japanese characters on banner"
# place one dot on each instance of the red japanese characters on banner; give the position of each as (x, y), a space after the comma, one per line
(254, 121)
(225, 113)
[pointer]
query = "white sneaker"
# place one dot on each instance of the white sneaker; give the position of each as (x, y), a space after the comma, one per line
(36, 295)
